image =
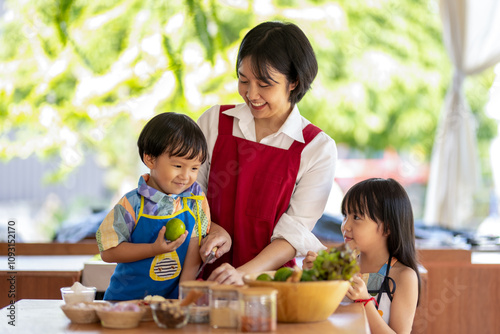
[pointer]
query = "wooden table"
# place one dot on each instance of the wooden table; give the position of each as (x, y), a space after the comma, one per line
(46, 316)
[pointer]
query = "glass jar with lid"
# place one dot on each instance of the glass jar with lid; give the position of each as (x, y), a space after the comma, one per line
(200, 310)
(258, 312)
(224, 306)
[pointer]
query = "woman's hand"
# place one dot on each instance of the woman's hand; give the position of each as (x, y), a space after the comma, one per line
(161, 245)
(308, 260)
(217, 237)
(226, 274)
(358, 289)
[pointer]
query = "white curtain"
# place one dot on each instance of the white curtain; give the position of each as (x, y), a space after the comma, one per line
(490, 226)
(471, 33)
(493, 111)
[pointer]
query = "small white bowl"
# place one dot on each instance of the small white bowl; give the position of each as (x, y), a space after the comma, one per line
(71, 297)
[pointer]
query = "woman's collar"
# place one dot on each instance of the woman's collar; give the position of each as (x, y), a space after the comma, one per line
(292, 126)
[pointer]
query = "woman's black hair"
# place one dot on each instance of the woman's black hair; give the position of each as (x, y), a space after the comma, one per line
(282, 47)
(174, 134)
(386, 202)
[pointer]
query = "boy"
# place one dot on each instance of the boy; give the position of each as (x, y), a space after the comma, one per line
(173, 147)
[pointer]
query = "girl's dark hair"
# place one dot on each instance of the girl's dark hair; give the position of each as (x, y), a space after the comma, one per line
(282, 47)
(174, 134)
(386, 202)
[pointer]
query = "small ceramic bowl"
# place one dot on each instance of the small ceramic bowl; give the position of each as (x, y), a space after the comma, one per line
(83, 313)
(148, 314)
(121, 316)
(70, 296)
(169, 314)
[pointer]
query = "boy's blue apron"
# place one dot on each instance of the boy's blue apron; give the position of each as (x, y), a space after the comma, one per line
(157, 275)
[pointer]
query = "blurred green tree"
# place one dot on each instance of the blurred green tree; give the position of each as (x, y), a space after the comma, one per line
(81, 76)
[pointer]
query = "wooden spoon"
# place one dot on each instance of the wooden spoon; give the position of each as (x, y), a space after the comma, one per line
(296, 275)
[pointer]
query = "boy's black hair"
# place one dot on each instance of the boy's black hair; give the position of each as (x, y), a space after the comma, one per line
(174, 134)
(282, 47)
(386, 202)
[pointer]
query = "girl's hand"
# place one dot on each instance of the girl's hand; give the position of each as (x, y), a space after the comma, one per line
(308, 260)
(358, 289)
(217, 237)
(226, 274)
(161, 245)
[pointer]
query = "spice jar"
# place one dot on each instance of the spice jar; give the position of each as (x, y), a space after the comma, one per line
(258, 309)
(224, 306)
(200, 310)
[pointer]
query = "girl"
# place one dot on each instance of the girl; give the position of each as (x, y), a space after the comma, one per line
(378, 222)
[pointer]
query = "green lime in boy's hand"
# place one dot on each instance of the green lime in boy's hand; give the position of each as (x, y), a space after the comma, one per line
(174, 229)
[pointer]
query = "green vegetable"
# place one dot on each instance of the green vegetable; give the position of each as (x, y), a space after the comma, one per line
(335, 264)
(306, 276)
(282, 274)
(264, 277)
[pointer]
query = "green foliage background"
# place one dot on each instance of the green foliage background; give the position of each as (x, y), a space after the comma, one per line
(81, 76)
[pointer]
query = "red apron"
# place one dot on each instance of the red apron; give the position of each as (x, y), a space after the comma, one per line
(249, 188)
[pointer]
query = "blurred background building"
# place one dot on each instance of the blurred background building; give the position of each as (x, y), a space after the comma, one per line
(79, 79)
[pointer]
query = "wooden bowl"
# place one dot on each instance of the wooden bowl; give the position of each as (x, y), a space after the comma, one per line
(120, 319)
(148, 314)
(303, 301)
(83, 313)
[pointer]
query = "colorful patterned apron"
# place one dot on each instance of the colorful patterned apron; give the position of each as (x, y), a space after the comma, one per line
(157, 275)
(249, 189)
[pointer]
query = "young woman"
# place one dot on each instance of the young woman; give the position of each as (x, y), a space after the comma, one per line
(378, 222)
(269, 171)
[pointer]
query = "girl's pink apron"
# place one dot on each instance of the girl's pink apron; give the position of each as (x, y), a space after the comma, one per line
(249, 188)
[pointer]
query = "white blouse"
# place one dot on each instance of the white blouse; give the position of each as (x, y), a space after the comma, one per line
(314, 179)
